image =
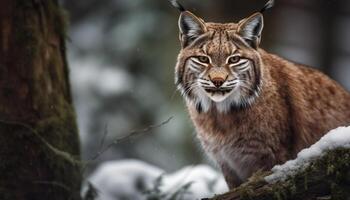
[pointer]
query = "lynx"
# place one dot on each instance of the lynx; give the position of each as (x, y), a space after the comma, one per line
(251, 109)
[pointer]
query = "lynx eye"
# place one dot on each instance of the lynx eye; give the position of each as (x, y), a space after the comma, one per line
(203, 59)
(234, 59)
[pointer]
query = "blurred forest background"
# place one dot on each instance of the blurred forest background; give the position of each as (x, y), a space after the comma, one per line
(122, 55)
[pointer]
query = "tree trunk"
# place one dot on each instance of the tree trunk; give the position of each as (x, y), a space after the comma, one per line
(38, 132)
(324, 179)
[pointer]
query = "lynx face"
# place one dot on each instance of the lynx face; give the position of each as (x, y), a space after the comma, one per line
(219, 64)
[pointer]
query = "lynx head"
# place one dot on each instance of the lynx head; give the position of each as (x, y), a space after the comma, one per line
(219, 64)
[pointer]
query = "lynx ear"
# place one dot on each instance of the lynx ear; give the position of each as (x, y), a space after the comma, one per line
(191, 27)
(250, 29)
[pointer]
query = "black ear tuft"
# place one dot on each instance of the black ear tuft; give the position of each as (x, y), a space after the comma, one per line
(191, 27)
(268, 6)
(177, 5)
(250, 29)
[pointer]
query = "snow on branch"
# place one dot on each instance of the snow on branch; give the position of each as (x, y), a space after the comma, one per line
(339, 137)
(319, 172)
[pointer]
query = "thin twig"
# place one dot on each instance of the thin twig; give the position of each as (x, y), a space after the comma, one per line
(105, 133)
(120, 139)
(129, 135)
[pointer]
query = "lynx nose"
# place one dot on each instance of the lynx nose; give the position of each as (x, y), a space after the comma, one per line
(218, 82)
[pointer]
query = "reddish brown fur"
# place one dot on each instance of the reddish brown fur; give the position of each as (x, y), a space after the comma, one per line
(295, 107)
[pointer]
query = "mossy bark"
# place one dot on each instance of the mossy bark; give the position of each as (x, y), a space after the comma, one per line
(38, 134)
(325, 178)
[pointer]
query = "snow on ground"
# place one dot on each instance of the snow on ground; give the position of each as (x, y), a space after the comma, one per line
(129, 179)
(116, 180)
(339, 137)
(205, 182)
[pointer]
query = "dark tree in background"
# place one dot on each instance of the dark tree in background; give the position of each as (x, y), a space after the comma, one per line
(38, 132)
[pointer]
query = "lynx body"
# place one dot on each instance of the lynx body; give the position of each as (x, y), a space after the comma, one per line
(251, 109)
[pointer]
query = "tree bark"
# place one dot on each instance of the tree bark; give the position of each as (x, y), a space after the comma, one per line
(39, 145)
(325, 178)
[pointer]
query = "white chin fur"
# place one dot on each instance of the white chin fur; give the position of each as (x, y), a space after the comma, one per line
(218, 97)
(221, 102)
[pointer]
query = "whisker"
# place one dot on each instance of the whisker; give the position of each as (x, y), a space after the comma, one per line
(231, 84)
(247, 88)
(189, 88)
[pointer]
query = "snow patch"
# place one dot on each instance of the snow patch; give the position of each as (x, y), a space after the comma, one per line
(336, 138)
(205, 182)
(117, 180)
(129, 179)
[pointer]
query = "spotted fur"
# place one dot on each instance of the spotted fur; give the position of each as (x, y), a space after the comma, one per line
(251, 109)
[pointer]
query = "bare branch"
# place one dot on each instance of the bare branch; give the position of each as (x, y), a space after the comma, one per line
(105, 133)
(68, 157)
(133, 133)
(326, 176)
